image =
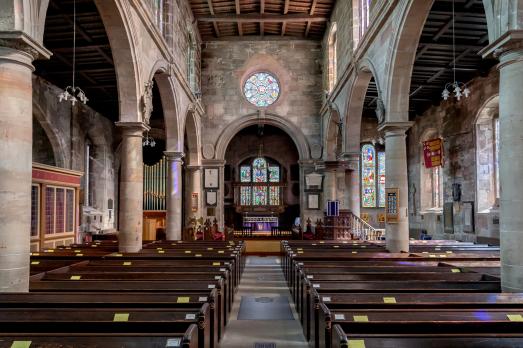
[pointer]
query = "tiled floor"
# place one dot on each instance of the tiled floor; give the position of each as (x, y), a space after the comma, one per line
(263, 279)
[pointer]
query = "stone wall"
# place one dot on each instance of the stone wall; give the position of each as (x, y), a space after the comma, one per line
(342, 16)
(186, 33)
(67, 130)
(455, 123)
(226, 65)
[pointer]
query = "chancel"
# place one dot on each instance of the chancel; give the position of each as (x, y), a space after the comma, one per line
(261, 173)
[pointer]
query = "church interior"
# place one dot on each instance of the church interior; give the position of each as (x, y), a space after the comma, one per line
(261, 173)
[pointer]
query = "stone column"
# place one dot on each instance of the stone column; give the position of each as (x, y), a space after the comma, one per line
(329, 186)
(174, 195)
(353, 182)
(16, 138)
(397, 234)
(131, 186)
(511, 167)
(194, 182)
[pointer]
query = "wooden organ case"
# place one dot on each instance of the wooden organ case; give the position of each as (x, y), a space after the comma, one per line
(55, 206)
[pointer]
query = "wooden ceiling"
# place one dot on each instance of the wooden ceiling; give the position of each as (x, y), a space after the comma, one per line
(228, 19)
(433, 67)
(95, 72)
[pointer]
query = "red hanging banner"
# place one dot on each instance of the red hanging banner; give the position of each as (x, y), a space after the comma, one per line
(433, 153)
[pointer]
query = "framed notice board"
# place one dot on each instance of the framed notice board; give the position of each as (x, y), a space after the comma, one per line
(392, 201)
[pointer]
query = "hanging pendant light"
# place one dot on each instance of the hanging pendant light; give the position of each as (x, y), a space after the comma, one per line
(73, 93)
(456, 89)
(148, 141)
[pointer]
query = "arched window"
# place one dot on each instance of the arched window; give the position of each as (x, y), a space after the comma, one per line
(372, 177)
(487, 155)
(431, 194)
(259, 183)
(361, 18)
(332, 53)
(191, 62)
(157, 7)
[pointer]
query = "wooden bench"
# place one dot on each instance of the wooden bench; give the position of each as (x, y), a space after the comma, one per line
(183, 339)
(480, 340)
(107, 320)
(414, 321)
(418, 301)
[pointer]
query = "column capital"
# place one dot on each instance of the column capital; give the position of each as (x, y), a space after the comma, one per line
(193, 167)
(213, 163)
(395, 128)
(174, 156)
(132, 128)
(20, 41)
(511, 40)
(349, 156)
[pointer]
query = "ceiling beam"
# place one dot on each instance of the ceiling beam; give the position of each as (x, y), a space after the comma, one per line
(240, 29)
(81, 31)
(262, 11)
(258, 18)
(285, 11)
(214, 24)
(311, 12)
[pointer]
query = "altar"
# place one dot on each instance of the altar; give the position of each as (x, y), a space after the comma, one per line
(260, 223)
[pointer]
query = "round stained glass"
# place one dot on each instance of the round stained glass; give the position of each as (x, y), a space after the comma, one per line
(261, 89)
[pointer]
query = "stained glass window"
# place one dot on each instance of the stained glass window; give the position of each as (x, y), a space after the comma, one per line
(274, 195)
(259, 195)
(381, 179)
(245, 174)
(255, 179)
(368, 176)
(261, 89)
(245, 195)
(274, 174)
(259, 168)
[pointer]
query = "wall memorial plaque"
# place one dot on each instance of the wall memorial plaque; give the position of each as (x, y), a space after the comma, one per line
(211, 198)
(392, 202)
(211, 176)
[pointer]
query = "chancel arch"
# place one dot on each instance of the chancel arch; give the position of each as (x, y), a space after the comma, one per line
(262, 180)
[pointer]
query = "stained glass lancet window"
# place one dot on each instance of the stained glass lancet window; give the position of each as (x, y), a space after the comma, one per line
(274, 174)
(258, 183)
(245, 195)
(259, 195)
(368, 176)
(259, 169)
(381, 179)
(245, 174)
(261, 89)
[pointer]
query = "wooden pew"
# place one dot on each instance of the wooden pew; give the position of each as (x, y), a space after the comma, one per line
(107, 320)
(481, 340)
(418, 301)
(414, 321)
(183, 339)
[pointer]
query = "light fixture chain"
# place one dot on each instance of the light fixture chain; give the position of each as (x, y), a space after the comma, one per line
(454, 41)
(74, 42)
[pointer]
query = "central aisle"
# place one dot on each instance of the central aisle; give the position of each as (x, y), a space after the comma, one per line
(267, 314)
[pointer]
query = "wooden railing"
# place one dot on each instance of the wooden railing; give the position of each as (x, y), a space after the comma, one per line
(360, 229)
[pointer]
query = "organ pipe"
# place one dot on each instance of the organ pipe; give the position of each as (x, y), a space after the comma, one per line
(154, 185)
